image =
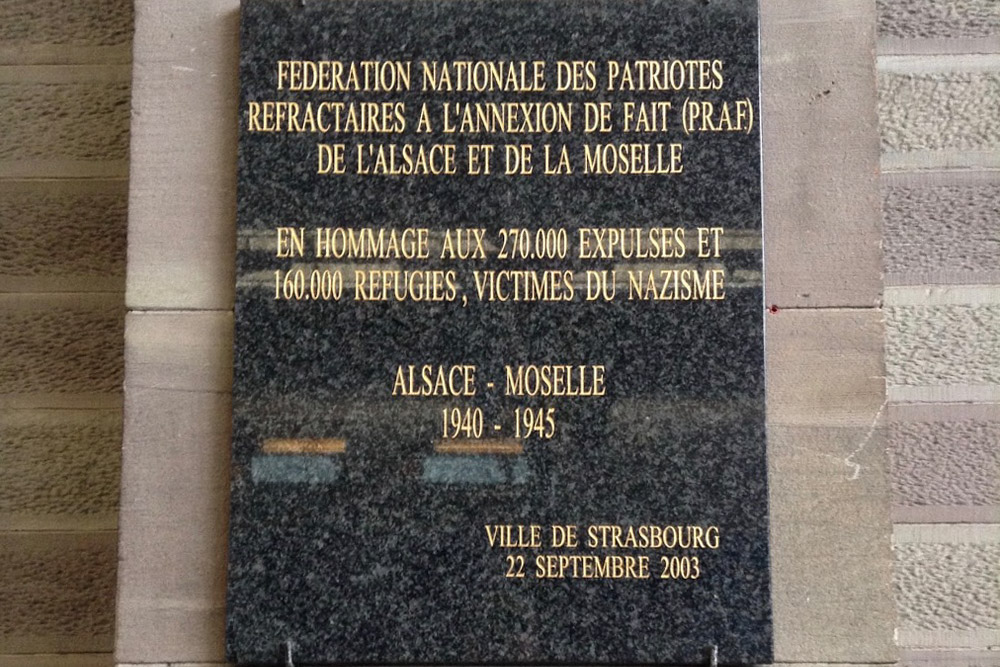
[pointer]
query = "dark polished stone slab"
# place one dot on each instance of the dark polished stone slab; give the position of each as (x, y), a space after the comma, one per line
(363, 529)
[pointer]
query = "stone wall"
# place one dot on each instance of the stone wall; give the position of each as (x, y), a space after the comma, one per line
(65, 72)
(939, 109)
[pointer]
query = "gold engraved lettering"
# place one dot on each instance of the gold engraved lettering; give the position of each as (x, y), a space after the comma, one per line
(514, 536)
(637, 159)
(406, 159)
(710, 241)
(645, 116)
(372, 243)
(631, 243)
(428, 380)
(652, 537)
(326, 117)
(591, 567)
(576, 75)
(664, 75)
(484, 76)
(394, 285)
(290, 242)
(338, 76)
(464, 244)
(554, 380)
(507, 117)
(524, 285)
(677, 285)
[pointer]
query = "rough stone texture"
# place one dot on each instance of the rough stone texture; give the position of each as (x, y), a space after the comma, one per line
(948, 586)
(62, 345)
(939, 111)
(62, 23)
(59, 465)
(62, 660)
(84, 121)
(938, 106)
(938, 18)
(943, 345)
(941, 228)
(945, 463)
(63, 134)
(51, 230)
(57, 591)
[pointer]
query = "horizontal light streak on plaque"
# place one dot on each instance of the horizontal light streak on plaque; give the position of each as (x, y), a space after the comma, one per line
(305, 446)
(266, 240)
(265, 278)
(683, 412)
(475, 470)
(736, 278)
(496, 446)
(295, 469)
(257, 240)
(746, 278)
(742, 239)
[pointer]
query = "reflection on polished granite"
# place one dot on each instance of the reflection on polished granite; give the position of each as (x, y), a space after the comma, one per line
(359, 533)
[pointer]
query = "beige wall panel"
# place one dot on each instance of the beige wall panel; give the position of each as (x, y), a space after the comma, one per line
(64, 121)
(182, 213)
(821, 223)
(60, 344)
(175, 487)
(939, 111)
(941, 228)
(60, 469)
(829, 496)
(179, 351)
(50, 31)
(57, 591)
(174, 526)
(835, 381)
(950, 19)
(63, 235)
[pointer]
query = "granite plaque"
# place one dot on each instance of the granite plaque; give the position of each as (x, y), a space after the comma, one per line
(499, 381)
